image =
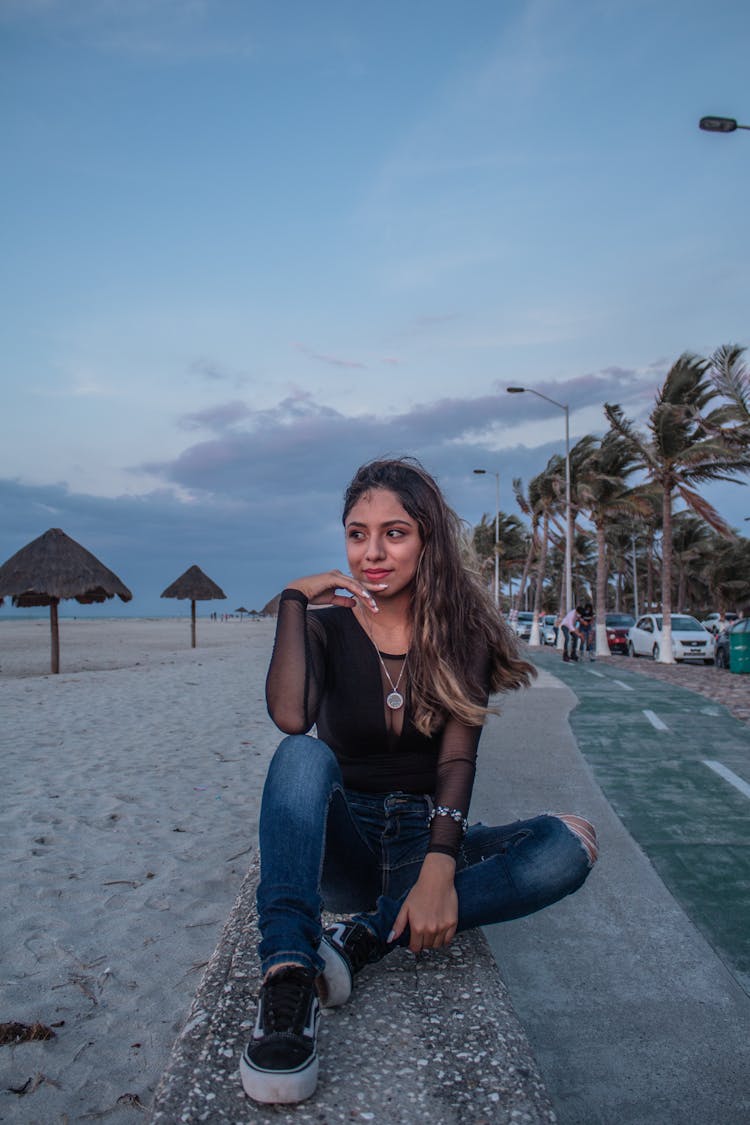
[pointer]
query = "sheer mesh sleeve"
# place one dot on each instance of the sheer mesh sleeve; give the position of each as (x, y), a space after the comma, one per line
(455, 776)
(295, 674)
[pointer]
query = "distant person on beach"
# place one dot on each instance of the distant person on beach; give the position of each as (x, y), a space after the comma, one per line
(370, 818)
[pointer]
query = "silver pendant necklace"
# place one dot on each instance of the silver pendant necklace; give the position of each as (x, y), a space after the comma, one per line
(394, 699)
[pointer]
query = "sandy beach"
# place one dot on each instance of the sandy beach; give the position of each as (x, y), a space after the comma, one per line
(130, 797)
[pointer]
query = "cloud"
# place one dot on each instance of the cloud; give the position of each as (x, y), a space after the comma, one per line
(217, 418)
(302, 443)
(302, 440)
(332, 360)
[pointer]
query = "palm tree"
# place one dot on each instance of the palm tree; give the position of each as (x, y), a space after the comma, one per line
(513, 543)
(648, 527)
(602, 493)
(618, 535)
(684, 445)
(691, 537)
(727, 575)
(544, 499)
(533, 544)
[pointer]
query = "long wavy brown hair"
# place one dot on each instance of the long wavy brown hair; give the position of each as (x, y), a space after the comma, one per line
(453, 616)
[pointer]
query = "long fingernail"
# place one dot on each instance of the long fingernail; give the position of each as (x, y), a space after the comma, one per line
(390, 938)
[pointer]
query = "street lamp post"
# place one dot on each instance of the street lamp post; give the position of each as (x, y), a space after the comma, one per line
(568, 510)
(482, 472)
(635, 579)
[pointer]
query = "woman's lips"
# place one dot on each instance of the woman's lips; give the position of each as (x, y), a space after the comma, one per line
(375, 575)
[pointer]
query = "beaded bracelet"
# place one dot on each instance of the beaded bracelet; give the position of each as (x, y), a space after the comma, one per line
(454, 814)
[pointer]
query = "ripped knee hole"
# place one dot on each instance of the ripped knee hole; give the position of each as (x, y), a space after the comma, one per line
(585, 832)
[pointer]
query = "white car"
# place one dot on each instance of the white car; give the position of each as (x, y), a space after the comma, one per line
(690, 641)
(547, 629)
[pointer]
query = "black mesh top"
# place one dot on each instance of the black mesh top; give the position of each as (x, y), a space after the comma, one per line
(325, 670)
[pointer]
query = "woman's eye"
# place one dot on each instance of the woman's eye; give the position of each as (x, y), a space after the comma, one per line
(395, 533)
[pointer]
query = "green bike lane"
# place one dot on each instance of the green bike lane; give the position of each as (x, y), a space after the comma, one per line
(648, 743)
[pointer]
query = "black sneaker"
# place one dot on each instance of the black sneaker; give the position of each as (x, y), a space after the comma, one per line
(346, 948)
(280, 1063)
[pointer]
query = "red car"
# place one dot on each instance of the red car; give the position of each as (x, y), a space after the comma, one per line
(618, 627)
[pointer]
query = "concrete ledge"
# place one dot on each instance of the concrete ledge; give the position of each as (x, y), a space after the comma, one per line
(429, 1039)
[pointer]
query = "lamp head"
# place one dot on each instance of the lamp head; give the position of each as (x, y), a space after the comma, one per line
(480, 472)
(515, 390)
(718, 124)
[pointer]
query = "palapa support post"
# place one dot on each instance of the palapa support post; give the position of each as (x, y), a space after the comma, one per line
(197, 587)
(54, 636)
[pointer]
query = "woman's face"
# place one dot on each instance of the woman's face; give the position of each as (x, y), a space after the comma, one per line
(383, 543)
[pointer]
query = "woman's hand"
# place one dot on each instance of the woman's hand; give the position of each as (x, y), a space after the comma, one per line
(320, 589)
(431, 907)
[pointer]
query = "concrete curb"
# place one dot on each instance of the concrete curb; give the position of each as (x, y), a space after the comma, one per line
(429, 1039)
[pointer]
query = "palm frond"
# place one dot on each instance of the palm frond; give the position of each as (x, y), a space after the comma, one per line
(731, 378)
(624, 428)
(520, 496)
(706, 511)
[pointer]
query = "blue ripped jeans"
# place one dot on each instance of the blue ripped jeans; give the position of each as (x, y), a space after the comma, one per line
(324, 847)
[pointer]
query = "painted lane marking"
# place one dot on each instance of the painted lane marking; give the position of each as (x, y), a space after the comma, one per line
(727, 774)
(655, 721)
(625, 687)
(591, 672)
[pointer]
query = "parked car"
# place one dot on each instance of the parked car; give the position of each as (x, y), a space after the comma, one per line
(523, 624)
(723, 642)
(714, 623)
(690, 641)
(548, 629)
(618, 626)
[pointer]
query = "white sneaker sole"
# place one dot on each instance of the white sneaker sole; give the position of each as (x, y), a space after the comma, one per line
(337, 976)
(283, 1087)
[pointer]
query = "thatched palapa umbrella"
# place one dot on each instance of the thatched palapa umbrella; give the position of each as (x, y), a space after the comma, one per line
(55, 567)
(197, 586)
(242, 611)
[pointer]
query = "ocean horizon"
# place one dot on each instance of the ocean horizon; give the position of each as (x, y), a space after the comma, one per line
(43, 615)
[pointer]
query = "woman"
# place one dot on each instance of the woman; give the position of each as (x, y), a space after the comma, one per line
(370, 817)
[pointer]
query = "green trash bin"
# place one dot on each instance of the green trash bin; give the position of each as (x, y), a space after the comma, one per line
(739, 647)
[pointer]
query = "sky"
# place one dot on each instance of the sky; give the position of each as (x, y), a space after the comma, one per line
(247, 246)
